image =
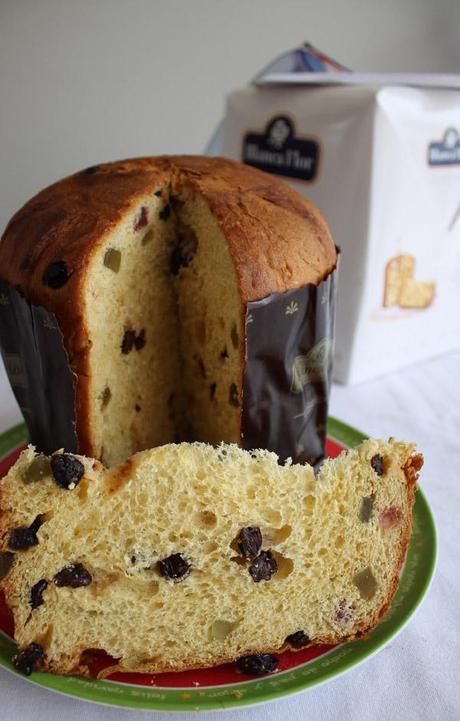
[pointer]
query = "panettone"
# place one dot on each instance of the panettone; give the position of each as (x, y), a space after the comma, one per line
(148, 266)
(187, 555)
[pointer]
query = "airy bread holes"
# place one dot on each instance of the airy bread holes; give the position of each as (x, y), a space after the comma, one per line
(285, 566)
(220, 629)
(206, 519)
(274, 536)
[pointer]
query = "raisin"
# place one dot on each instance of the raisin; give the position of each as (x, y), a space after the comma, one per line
(127, 344)
(377, 464)
(74, 575)
(25, 536)
(67, 470)
(112, 259)
(142, 220)
(56, 275)
(212, 390)
(257, 665)
(249, 542)
(137, 408)
(233, 396)
(91, 170)
(224, 353)
(38, 469)
(36, 593)
(174, 567)
(299, 639)
(165, 212)
(263, 567)
(367, 506)
(25, 661)
(105, 397)
(234, 337)
(158, 193)
(139, 340)
(6, 561)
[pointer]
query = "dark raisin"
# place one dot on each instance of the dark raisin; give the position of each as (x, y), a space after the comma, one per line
(377, 464)
(6, 561)
(73, 575)
(56, 275)
(25, 661)
(367, 505)
(263, 567)
(67, 470)
(177, 260)
(139, 340)
(165, 212)
(36, 593)
(224, 353)
(127, 344)
(257, 665)
(137, 407)
(142, 220)
(234, 337)
(105, 397)
(233, 396)
(212, 390)
(299, 639)
(133, 560)
(25, 536)
(249, 542)
(91, 170)
(158, 193)
(174, 567)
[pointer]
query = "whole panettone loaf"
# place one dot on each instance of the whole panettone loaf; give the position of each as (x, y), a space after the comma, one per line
(148, 265)
(187, 555)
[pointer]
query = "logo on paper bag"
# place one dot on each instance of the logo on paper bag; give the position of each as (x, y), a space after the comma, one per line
(445, 151)
(280, 151)
(312, 367)
(15, 370)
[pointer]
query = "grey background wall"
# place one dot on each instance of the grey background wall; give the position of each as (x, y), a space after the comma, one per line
(83, 81)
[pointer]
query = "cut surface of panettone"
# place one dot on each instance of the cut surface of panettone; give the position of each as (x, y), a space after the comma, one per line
(189, 556)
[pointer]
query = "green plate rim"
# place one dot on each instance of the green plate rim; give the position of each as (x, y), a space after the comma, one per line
(415, 581)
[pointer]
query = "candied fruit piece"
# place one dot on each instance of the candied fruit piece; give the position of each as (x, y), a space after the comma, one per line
(142, 219)
(366, 583)
(38, 469)
(148, 237)
(390, 518)
(112, 259)
(367, 506)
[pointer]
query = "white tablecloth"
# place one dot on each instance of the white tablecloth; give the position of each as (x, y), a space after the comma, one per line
(417, 676)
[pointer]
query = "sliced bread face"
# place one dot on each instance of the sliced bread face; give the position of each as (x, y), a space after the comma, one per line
(188, 556)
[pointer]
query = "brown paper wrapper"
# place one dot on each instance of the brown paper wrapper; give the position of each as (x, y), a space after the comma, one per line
(289, 345)
(37, 365)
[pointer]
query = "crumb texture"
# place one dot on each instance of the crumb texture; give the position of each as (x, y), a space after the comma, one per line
(187, 555)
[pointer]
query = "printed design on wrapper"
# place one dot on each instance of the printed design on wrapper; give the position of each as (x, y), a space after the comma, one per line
(292, 308)
(445, 151)
(278, 149)
(3, 299)
(402, 289)
(312, 367)
(15, 370)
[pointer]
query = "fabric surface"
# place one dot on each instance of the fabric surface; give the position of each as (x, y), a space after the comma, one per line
(416, 677)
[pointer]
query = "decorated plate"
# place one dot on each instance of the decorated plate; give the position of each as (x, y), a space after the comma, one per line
(222, 687)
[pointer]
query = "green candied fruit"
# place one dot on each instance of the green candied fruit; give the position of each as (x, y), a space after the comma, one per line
(147, 237)
(365, 583)
(38, 469)
(6, 561)
(112, 259)
(106, 395)
(367, 506)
